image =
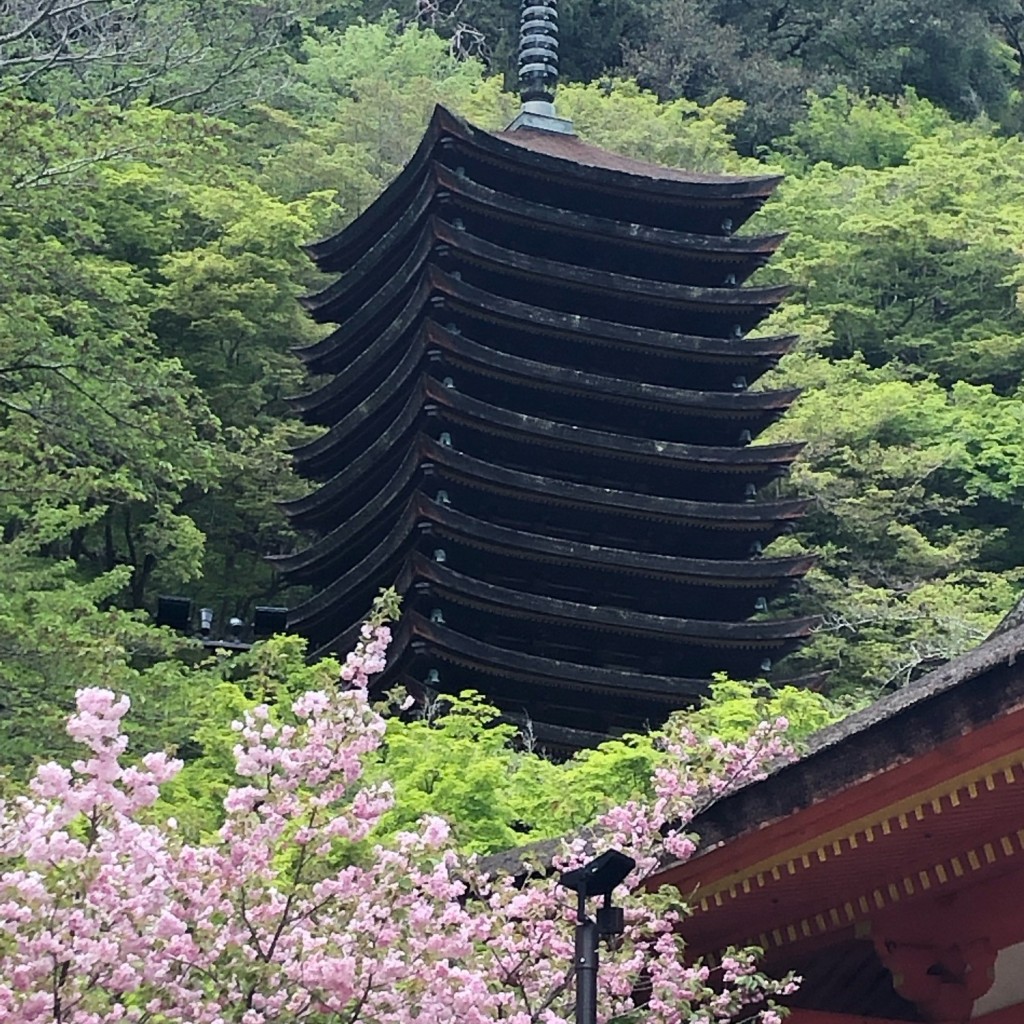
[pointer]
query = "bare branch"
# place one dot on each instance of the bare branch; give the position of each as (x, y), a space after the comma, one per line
(123, 50)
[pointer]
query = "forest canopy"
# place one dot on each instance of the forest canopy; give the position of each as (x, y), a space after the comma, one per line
(161, 165)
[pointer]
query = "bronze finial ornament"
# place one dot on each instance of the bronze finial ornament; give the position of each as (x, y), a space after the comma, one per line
(538, 67)
(538, 51)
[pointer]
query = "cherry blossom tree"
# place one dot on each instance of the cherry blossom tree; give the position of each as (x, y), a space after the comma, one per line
(292, 913)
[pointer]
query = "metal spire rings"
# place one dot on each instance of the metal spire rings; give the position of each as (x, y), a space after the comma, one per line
(538, 51)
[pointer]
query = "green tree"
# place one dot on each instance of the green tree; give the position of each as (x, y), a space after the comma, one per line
(93, 418)
(58, 629)
(456, 756)
(770, 54)
(210, 55)
(905, 252)
(848, 129)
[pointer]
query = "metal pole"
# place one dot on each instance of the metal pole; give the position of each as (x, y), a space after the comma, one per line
(586, 966)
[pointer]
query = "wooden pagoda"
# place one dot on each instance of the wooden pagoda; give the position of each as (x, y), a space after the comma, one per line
(538, 420)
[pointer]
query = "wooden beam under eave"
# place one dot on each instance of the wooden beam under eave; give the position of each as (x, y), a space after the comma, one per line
(825, 1017)
(1007, 1015)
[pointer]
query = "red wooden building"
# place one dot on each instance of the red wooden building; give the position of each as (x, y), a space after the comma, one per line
(886, 866)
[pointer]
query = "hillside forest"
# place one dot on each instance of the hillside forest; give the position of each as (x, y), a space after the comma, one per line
(162, 163)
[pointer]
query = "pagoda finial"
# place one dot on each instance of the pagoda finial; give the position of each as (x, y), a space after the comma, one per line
(538, 51)
(538, 67)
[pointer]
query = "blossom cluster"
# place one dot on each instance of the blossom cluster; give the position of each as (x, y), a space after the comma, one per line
(291, 914)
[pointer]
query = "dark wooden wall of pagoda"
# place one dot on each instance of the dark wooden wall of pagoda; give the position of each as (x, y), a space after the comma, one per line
(538, 413)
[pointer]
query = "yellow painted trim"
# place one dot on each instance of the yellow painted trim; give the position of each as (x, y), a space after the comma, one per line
(938, 799)
(858, 912)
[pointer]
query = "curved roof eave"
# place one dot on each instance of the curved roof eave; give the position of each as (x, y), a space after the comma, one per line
(618, 231)
(368, 460)
(569, 156)
(533, 151)
(506, 664)
(439, 185)
(362, 232)
(539, 430)
(437, 286)
(749, 516)
(767, 635)
(549, 376)
(745, 301)
(535, 375)
(449, 522)
(541, 320)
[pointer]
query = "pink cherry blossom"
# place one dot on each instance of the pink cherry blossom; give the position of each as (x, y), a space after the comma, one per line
(282, 919)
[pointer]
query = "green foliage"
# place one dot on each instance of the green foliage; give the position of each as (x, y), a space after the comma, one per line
(905, 250)
(459, 759)
(93, 418)
(223, 687)
(357, 108)
(915, 263)
(771, 54)
(916, 514)
(620, 116)
(57, 632)
(846, 129)
(457, 763)
(734, 709)
(209, 55)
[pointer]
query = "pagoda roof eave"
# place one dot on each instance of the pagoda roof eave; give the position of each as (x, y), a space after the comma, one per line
(563, 155)
(454, 193)
(765, 635)
(448, 645)
(399, 542)
(409, 224)
(403, 430)
(604, 170)
(405, 377)
(666, 399)
(537, 430)
(363, 359)
(540, 319)
(730, 246)
(397, 490)
(742, 302)
(322, 356)
(536, 375)
(723, 459)
(531, 546)
(754, 517)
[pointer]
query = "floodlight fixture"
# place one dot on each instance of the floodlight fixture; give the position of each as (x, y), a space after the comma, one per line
(599, 877)
(175, 612)
(268, 620)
